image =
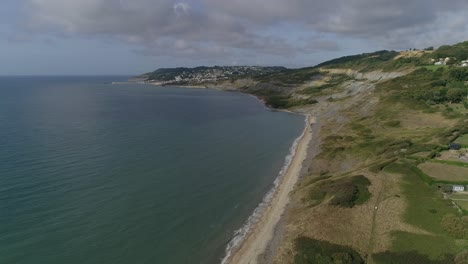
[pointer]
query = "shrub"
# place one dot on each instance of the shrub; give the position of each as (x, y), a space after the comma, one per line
(455, 226)
(462, 257)
(311, 251)
(346, 192)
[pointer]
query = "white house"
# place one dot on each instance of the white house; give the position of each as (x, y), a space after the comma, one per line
(439, 63)
(458, 188)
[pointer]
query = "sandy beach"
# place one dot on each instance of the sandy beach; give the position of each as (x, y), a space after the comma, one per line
(262, 233)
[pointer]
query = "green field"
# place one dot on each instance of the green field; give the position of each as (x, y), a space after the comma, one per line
(463, 204)
(434, 67)
(426, 208)
(462, 140)
(446, 171)
(461, 199)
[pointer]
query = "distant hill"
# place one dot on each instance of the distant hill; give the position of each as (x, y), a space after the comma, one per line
(199, 75)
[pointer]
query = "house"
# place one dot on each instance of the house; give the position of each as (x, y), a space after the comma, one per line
(454, 146)
(439, 63)
(458, 188)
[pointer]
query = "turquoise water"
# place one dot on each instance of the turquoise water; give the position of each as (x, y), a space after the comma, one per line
(97, 173)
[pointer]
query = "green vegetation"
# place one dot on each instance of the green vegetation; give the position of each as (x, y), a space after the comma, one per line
(289, 77)
(451, 162)
(434, 67)
(423, 200)
(280, 100)
(426, 210)
(408, 257)
(425, 87)
(363, 62)
(463, 205)
(459, 51)
(335, 80)
(311, 251)
(344, 192)
(463, 140)
(456, 226)
(169, 74)
(392, 123)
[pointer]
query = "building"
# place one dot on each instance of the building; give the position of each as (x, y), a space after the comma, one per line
(458, 188)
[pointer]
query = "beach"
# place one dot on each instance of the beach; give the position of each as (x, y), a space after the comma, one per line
(262, 232)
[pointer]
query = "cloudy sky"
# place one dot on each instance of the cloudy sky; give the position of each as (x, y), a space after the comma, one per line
(135, 36)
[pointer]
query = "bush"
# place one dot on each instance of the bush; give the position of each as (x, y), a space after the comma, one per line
(311, 251)
(462, 257)
(346, 192)
(455, 226)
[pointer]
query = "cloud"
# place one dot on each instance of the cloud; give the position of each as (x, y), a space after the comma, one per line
(246, 28)
(181, 9)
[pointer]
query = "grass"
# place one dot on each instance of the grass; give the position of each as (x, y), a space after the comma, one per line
(335, 81)
(463, 140)
(311, 251)
(434, 67)
(451, 163)
(426, 209)
(456, 226)
(442, 170)
(462, 204)
(409, 257)
(412, 116)
(435, 247)
(459, 196)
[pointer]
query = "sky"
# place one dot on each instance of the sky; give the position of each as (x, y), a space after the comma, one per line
(127, 37)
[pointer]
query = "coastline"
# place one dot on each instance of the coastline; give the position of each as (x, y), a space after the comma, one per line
(257, 236)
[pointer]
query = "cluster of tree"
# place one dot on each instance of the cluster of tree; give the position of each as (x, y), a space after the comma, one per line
(459, 51)
(346, 192)
(445, 85)
(443, 95)
(284, 101)
(459, 74)
(315, 251)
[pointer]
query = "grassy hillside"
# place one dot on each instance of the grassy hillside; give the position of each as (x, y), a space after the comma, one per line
(386, 131)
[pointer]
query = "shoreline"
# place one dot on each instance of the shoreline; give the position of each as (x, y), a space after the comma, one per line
(255, 236)
(260, 233)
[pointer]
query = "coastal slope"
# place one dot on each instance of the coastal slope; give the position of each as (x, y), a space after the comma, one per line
(384, 176)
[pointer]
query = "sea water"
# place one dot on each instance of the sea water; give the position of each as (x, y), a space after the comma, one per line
(95, 172)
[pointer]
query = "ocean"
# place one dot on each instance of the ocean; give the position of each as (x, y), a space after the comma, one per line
(94, 172)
